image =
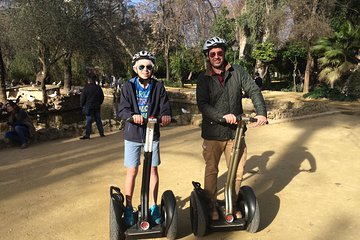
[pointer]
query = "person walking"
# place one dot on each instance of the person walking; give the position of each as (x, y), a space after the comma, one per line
(258, 81)
(22, 128)
(91, 99)
(142, 97)
(218, 94)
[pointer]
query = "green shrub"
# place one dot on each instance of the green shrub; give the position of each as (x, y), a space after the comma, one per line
(324, 91)
(353, 84)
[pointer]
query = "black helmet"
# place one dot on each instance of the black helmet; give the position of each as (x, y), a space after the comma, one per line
(143, 55)
(214, 42)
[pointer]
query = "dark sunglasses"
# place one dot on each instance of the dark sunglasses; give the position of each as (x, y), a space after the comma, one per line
(148, 67)
(213, 54)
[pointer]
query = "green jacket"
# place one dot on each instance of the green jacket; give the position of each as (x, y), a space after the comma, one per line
(215, 101)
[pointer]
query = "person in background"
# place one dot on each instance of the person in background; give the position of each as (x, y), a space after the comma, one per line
(218, 94)
(22, 128)
(258, 81)
(140, 98)
(91, 99)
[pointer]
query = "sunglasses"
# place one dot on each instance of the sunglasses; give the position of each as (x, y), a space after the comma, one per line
(213, 54)
(148, 67)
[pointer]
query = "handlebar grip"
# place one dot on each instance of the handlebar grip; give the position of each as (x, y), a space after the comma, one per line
(146, 120)
(238, 119)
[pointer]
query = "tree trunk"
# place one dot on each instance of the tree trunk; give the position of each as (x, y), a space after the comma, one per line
(2, 79)
(294, 74)
(308, 71)
(67, 72)
(44, 58)
(166, 58)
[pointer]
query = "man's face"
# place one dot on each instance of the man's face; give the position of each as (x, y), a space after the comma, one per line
(216, 57)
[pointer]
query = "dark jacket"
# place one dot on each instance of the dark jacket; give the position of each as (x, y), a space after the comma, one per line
(20, 117)
(158, 105)
(215, 101)
(91, 97)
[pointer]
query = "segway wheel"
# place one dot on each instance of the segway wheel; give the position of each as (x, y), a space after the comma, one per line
(169, 214)
(117, 226)
(198, 216)
(250, 208)
(253, 225)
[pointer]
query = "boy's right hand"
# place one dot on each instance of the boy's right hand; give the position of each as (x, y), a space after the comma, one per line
(138, 119)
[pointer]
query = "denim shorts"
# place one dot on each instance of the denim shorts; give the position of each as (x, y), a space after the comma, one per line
(133, 151)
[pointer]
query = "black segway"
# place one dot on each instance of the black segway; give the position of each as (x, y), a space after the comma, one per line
(144, 227)
(246, 200)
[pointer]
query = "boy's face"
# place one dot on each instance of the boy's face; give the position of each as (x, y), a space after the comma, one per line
(144, 68)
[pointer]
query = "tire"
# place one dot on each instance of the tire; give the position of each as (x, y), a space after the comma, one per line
(117, 229)
(198, 215)
(253, 225)
(169, 214)
(250, 208)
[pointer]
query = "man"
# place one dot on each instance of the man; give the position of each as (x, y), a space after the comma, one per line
(91, 99)
(142, 97)
(219, 94)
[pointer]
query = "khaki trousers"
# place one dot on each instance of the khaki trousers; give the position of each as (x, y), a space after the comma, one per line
(212, 151)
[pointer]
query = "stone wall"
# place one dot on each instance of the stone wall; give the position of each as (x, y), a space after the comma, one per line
(278, 108)
(45, 133)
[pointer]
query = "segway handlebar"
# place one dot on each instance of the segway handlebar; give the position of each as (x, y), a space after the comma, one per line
(239, 118)
(151, 119)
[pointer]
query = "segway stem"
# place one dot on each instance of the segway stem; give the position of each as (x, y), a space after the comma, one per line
(234, 163)
(144, 197)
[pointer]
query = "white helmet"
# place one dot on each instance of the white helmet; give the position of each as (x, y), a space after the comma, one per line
(143, 55)
(214, 42)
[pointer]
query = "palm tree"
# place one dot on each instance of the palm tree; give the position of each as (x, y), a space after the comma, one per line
(339, 53)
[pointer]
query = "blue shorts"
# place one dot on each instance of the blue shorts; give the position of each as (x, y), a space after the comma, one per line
(132, 152)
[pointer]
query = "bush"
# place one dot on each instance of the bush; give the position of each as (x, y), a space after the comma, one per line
(324, 91)
(353, 84)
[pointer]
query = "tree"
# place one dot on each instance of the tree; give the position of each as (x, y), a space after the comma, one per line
(339, 53)
(265, 53)
(308, 17)
(4, 43)
(166, 30)
(2, 78)
(41, 25)
(224, 26)
(294, 52)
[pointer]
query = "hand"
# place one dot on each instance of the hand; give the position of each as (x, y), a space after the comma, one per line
(165, 120)
(230, 118)
(261, 120)
(138, 119)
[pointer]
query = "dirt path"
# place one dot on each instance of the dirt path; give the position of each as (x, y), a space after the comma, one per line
(58, 190)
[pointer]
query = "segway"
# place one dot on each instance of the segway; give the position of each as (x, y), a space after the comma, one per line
(144, 227)
(246, 200)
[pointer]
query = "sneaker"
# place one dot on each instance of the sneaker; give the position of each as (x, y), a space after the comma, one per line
(102, 135)
(238, 214)
(24, 145)
(84, 137)
(155, 214)
(129, 216)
